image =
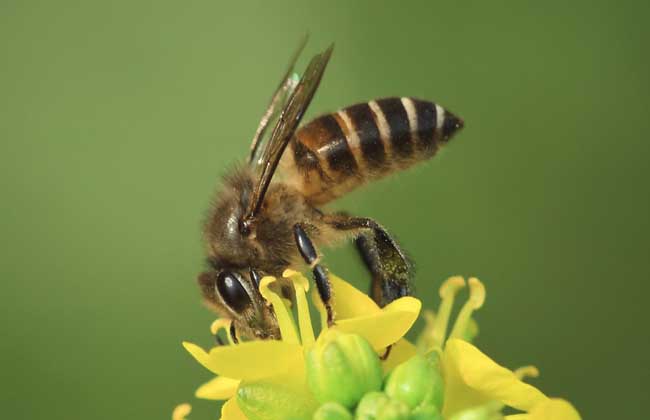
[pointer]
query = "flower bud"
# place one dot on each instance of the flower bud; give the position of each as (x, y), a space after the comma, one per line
(426, 412)
(342, 368)
(416, 382)
(266, 400)
(370, 405)
(489, 411)
(332, 411)
(394, 410)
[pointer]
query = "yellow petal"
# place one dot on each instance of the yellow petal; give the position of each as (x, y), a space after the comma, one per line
(231, 411)
(472, 379)
(250, 360)
(555, 409)
(181, 411)
(385, 327)
(350, 302)
(399, 352)
(219, 388)
(551, 409)
(347, 301)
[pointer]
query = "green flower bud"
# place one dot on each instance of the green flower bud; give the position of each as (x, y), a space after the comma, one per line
(416, 382)
(394, 410)
(332, 411)
(342, 368)
(491, 411)
(426, 412)
(274, 401)
(370, 405)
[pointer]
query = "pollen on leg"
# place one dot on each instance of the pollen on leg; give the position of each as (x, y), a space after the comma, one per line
(181, 411)
(448, 292)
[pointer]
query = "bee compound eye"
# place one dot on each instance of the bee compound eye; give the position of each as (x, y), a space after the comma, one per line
(231, 290)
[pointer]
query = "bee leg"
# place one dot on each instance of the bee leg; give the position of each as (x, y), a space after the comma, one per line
(233, 333)
(390, 268)
(309, 254)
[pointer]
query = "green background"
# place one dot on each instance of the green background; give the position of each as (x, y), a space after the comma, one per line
(117, 119)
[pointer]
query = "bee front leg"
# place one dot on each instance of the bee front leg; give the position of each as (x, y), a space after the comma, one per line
(309, 254)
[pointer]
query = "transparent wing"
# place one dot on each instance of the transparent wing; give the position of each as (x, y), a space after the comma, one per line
(286, 125)
(278, 100)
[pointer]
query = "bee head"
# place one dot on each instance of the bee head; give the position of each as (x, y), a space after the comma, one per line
(234, 294)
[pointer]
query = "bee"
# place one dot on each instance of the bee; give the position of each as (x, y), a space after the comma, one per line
(267, 215)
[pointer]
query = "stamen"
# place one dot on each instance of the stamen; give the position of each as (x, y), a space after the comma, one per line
(425, 339)
(222, 324)
(301, 286)
(475, 301)
(527, 372)
(322, 311)
(448, 292)
(285, 320)
(181, 411)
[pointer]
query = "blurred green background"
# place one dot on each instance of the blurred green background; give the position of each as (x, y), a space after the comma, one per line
(117, 119)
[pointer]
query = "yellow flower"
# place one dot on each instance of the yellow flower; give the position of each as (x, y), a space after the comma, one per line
(471, 378)
(283, 362)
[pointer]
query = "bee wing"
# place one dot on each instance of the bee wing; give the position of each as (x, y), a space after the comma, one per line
(286, 125)
(278, 101)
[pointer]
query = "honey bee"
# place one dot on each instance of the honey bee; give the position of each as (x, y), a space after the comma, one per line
(262, 222)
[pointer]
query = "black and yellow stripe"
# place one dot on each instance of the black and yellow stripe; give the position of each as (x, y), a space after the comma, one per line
(336, 152)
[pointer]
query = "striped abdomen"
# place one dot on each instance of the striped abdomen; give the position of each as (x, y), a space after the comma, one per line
(337, 152)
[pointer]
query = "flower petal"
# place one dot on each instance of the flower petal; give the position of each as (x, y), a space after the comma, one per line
(250, 360)
(231, 411)
(399, 352)
(385, 327)
(219, 388)
(472, 379)
(350, 302)
(552, 408)
(181, 411)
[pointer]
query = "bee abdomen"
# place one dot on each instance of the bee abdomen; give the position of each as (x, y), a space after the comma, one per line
(337, 152)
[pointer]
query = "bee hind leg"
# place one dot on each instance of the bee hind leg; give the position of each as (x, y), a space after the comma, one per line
(309, 254)
(389, 267)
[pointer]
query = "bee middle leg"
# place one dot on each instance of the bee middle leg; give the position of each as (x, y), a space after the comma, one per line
(309, 254)
(389, 267)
